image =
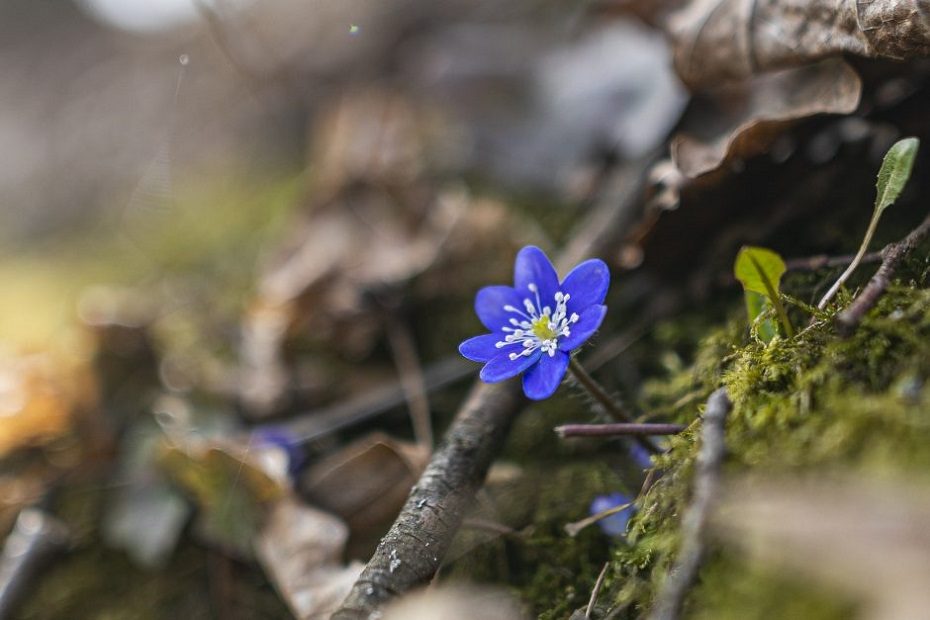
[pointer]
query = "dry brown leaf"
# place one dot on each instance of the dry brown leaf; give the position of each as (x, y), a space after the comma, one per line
(742, 120)
(301, 549)
(367, 482)
(40, 396)
(456, 603)
(869, 538)
(717, 41)
(763, 63)
(376, 222)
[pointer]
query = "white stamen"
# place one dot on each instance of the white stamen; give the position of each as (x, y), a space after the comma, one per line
(556, 321)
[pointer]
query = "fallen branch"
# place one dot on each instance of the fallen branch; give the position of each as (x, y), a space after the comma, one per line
(617, 430)
(892, 255)
(410, 553)
(706, 487)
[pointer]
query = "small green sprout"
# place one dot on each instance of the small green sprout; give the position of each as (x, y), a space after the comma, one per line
(760, 271)
(892, 177)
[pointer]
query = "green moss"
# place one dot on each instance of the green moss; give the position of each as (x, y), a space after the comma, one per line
(552, 572)
(810, 403)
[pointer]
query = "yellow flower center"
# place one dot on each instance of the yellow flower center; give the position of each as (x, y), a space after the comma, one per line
(542, 330)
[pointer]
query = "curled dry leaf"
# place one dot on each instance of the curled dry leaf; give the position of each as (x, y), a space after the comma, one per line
(373, 224)
(231, 490)
(367, 482)
(717, 41)
(761, 64)
(742, 120)
(301, 549)
(378, 220)
(868, 538)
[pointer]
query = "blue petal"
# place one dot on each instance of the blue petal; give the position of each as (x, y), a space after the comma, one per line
(586, 285)
(489, 306)
(614, 525)
(502, 367)
(542, 380)
(533, 266)
(590, 319)
(482, 348)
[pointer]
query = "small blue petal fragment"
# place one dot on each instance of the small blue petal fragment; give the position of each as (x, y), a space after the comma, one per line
(533, 267)
(614, 525)
(502, 367)
(591, 319)
(586, 285)
(489, 306)
(542, 380)
(640, 455)
(282, 438)
(483, 348)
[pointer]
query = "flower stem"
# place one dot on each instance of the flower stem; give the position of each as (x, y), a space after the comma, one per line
(873, 224)
(609, 404)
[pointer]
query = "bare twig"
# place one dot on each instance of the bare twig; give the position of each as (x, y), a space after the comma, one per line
(573, 528)
(321, 422)
(412, 381)
(410, 553)
(706, 487)
(617, 430)
(489, 526)
(824, 261)
(892, 255)
(597, 590)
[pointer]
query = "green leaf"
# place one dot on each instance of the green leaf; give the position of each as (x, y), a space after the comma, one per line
(895, 172)
(760, 271)
(757, 305)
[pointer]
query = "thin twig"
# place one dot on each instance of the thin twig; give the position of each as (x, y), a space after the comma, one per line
(318, 423)
(404, 350)
(597, 590)
(489, 526)
(606, 401)
(617, 430)
(573, 528)
(706, 487)
(412, 550)
(824, 261)
(892, 255)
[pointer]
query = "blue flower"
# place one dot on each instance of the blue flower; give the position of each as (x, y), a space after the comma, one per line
(537, 323)
(614, 525)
